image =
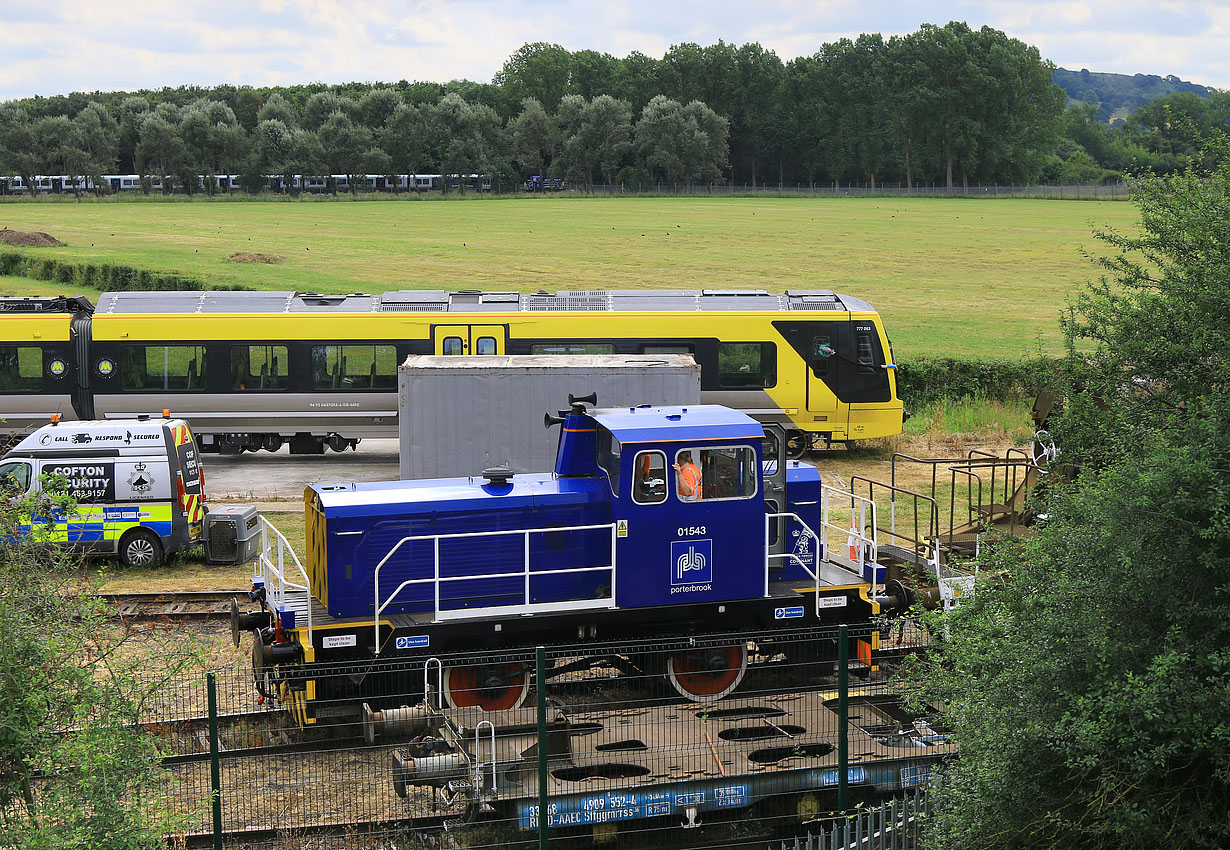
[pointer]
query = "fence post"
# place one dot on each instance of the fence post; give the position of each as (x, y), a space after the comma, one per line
(544, 817)
(843, 720)
(215, 767)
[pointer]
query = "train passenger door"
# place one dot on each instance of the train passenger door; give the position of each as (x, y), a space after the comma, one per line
(469, 339)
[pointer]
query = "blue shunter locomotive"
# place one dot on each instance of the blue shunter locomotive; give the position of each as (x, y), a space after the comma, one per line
(656, 521)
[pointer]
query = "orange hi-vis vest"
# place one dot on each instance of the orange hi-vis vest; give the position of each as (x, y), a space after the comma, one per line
(689, 473)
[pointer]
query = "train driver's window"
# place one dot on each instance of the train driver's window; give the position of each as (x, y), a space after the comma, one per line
(726, 473)
(649, 482)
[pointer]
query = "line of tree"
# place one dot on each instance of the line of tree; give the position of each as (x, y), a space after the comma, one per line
(949, 105)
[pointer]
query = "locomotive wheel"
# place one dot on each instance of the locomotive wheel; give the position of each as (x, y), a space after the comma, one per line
(491, 687)
(707, 675)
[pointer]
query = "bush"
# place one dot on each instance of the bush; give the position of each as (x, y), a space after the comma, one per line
(929, 380)
(104, 277)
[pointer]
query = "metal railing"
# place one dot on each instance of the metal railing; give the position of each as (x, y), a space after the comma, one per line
(525, 607)
(805, 533)
(861, 548)
(271, 570)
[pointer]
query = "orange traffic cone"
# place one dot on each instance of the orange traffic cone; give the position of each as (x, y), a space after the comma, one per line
(853, 542)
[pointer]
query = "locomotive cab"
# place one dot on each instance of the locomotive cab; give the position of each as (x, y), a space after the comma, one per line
(687, 497)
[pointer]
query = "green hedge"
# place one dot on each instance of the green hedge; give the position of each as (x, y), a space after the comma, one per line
(928, 380)
(105, 277)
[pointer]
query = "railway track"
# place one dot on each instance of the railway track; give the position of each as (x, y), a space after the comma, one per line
(176, 605)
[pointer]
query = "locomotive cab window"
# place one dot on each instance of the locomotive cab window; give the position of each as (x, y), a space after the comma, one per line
(610, 455)
(259, 367)
(649, 482)
(162, 367)
(354, 367)
(21, 368)
(821, 352)
(866, 352)
(713, 474)
(747, 365)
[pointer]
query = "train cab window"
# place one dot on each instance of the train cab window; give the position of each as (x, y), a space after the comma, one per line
(354, 367)
(821, 352)
(610, 455)
(14, 477)
(747, 365)
(866, 352)
(572, 348)
(725, 473)
(649, 485)
(485, 345)
(162, 367)
(21, 368)
(452, 346)
(259, 367)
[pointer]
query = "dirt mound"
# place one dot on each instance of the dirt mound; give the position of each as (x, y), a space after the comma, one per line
(38, 239)
(249, 257)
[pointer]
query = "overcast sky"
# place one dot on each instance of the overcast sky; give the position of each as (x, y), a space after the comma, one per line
(85, 45)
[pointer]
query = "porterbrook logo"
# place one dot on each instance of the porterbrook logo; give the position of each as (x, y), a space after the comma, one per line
(691, 562)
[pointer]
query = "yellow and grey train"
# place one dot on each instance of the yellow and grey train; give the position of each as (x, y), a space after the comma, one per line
(258, 370)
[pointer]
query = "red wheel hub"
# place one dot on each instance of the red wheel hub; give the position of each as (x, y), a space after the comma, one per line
(705, 675)
(491, 687)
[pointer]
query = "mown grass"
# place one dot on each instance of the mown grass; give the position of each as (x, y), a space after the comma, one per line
(950, 276)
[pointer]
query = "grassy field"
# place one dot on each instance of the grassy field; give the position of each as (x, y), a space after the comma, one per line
(950, 276)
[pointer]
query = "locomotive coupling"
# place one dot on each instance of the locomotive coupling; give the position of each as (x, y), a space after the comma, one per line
(267, 655)
(897, 598)
(407, 720)
(246, 621)
(436, 770)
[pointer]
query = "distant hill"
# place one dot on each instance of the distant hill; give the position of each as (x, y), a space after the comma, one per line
(1118, 95)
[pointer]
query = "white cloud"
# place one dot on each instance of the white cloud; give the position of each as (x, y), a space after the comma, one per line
(76, 45)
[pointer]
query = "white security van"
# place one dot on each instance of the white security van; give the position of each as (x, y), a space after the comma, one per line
(138, 483)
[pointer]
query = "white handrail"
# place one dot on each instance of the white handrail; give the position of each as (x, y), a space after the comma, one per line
(436, 579)
(277, 590)
(860, 507)
(805, 530)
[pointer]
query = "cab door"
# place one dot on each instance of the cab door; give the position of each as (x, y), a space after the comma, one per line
(455, 340)
(822, 372)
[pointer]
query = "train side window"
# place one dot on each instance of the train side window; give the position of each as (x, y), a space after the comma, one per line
(484, 345)
(21, 368)
(572, 348)
(726, 473)
(667, 349)
(610, 455)
(747, 365)
(866, 352)
(452, 346)
(259, 367)
(649, 484)
(354, 367)
(14, 477)
(162, 367)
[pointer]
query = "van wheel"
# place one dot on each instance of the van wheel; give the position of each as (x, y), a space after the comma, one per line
(141, 548)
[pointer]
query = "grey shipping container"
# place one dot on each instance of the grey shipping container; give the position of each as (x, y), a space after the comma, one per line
(460, 415)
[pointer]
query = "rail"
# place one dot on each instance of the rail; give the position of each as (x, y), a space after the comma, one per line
(272, 575)
(525, 607)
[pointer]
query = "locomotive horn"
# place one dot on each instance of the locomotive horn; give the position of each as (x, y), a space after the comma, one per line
(548, 420)
(592, 398)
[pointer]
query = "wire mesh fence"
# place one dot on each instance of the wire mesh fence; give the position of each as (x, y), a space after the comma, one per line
(733, 739)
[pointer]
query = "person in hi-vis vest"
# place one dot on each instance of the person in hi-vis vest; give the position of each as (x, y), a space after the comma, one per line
(687, 478)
